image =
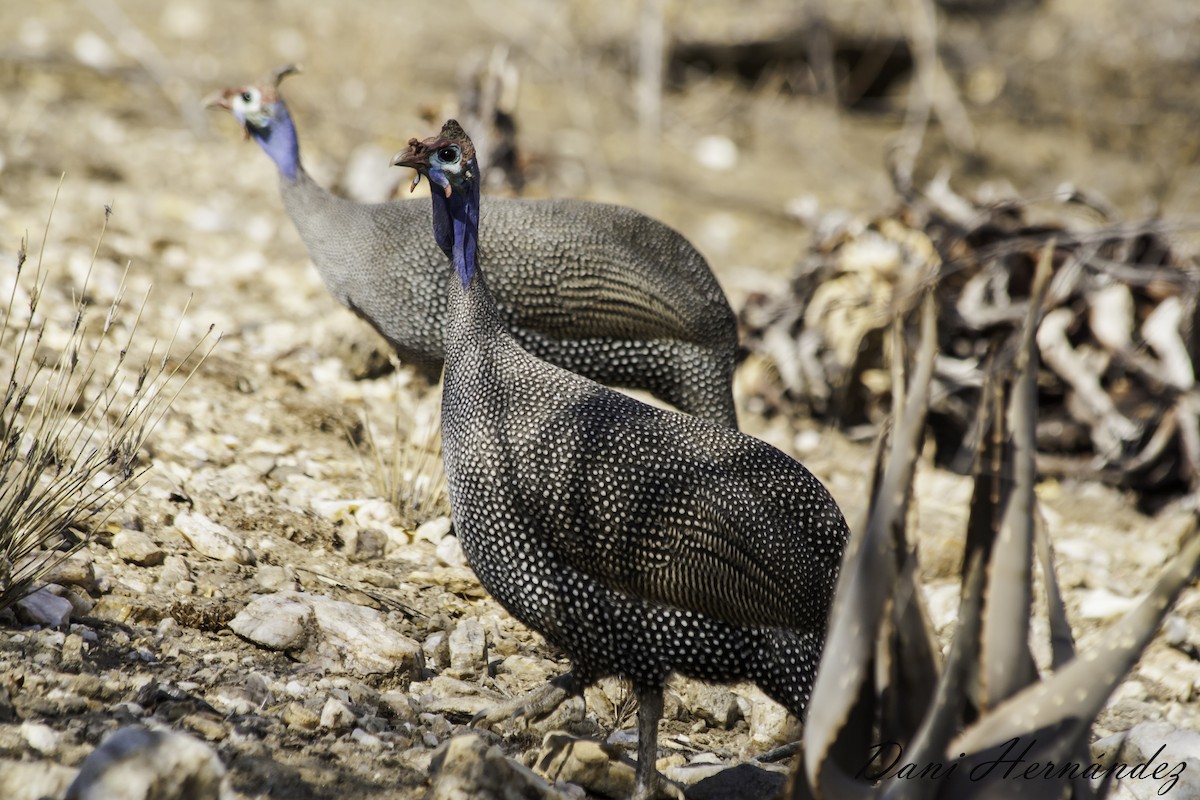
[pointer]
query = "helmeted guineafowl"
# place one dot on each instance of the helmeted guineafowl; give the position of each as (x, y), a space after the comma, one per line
(640, 541)
(601, 290)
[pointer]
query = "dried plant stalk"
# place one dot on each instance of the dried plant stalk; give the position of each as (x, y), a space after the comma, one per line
(72, 429)
(406, 467)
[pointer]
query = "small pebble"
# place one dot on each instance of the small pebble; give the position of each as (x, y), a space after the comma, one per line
(450, 552)
(213, 730)
(436, 649)
(277, 622)
(596, 766)
(138, 548)
(468, 646)
(336, 715)
(44, 608)
(1102, 604)
(233, 700)
(77, 569)
(271, 577)
(438, 724)
(400, 705)
(446, 695)
(41, 738)
(213, 539)
(770, 723)
(714, 704)
(717, 153)
(361, 637)
(88, 48)
(138, 763)
(174, 569)
(71, 659)
(81, 603)
(1175, 630)
(433, 531)
(366, 739)
(33, 780)
(296, 715)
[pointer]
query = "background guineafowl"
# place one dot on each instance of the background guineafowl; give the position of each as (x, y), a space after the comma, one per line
(598, 289)
(640, 541)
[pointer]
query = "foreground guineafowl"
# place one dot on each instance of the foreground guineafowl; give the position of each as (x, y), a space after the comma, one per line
(640, 541)
(598, 289)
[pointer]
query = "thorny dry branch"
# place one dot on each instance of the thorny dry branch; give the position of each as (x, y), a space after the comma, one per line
(1116, 392)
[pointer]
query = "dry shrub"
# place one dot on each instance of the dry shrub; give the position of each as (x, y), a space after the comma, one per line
(75, 417)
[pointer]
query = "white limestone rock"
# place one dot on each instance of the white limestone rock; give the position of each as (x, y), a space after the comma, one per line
(337, 716)
(137, 763)
(358, 639)
(213, 539)
(276, 621)
(138, 548)
(466, 768)
(33, 780)
(468, 646)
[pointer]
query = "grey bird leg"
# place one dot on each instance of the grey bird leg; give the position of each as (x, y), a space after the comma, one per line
(650, 711)
(534, 706)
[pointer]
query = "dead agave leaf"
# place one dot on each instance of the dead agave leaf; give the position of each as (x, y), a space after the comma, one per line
(1079, 690)
(867, 577)
(987, 703)
(1006, 662)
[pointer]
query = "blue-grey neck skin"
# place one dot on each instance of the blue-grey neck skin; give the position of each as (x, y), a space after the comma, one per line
(456, 223)
(278, 140)
(443, 228)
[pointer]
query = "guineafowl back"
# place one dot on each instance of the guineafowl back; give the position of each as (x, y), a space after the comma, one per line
(598, 289)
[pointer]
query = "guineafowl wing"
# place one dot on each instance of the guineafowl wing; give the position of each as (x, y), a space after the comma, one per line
(682, 512)
(596, 270)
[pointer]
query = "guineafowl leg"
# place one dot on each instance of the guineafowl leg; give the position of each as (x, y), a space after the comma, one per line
(650, 711)
(534, 706)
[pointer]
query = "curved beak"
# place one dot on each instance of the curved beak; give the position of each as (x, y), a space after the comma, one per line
(408, 157)
(218, 99)
(416, 156)
(412, 156)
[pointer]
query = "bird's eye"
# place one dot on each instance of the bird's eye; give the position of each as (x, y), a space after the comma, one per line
(248, 99)
(448, 154)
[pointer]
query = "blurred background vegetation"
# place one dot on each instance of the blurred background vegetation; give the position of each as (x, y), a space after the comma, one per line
(725, 119)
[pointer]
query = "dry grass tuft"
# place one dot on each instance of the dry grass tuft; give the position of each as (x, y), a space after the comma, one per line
(77, 410)
(404, 464)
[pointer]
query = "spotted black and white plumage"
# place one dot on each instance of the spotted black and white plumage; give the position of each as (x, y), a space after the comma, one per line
(640, 541)
(601, 290)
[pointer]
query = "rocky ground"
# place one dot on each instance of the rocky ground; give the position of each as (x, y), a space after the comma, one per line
(259, 593)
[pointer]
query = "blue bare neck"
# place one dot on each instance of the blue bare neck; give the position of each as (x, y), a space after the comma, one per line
(456, 226)
(278, 140)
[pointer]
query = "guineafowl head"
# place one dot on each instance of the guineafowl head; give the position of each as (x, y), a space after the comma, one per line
(264, 117)
(448, 161)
